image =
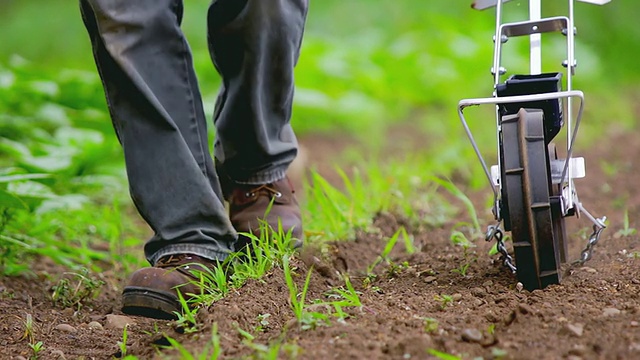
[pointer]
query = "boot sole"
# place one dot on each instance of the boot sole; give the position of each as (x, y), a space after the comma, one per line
(151, 303)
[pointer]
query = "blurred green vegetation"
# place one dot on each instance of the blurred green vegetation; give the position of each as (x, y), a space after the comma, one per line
(365, 65)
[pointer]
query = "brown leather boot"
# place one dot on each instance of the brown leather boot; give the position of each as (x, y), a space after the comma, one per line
(153, 291)
(248, 204)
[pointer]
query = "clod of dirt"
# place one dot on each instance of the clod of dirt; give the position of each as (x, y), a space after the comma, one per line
(66, 328)
(574, 329)
(472, 335)
(610, 312)
(525, 309)
(118, 321)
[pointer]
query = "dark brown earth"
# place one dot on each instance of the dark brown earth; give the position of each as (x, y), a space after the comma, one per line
(416, 304)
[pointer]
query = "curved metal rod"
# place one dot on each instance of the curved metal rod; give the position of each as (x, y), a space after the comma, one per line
(515, 99)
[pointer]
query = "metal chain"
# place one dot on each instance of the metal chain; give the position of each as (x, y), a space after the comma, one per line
(494, 232)
(586, 254)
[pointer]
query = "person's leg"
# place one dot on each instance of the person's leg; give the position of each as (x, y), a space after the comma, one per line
(255, 45)
(156, 107)
(146, 68)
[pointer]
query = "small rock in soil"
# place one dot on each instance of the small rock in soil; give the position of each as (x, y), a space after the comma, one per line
(94, 325)
(574, 329)
(58, 354)
(20, 358)
(66, 328)
(117, 321)
(610, 312)
(589, 270)
(573, 357)
(472, 335)
(519, 286)
(634, 323)
(456, 297)
(478, 292)
(430, 279)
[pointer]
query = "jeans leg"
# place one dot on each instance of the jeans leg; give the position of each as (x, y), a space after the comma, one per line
(156, 107)
(255, 45)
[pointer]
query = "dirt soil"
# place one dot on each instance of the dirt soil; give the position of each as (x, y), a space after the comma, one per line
(416, 304)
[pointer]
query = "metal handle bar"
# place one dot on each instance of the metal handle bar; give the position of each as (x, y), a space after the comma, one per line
(515, 99)
(485, 4)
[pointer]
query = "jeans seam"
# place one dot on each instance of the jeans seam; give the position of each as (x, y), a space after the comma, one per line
(203, 162)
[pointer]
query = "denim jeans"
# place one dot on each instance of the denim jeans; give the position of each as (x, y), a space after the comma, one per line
(154, 100)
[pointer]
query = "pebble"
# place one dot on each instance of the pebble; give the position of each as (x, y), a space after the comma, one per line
(430, 279)
(575, 329)
(58, 354)
(94, 325)
(66, 328)
(634, 323)
(610, 312)
(19, 357)
(519, 286)
(574, 357)
(117, 321)
(456, 297)
(589, 270)
(472, 335)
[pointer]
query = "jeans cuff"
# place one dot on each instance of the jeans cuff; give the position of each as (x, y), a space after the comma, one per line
(265, 177)
(176, 249)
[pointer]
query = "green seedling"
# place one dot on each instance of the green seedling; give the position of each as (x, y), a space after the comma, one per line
(36, 348)
(187, 318)
(444, 300)
(626, 230)
(263, 322)
(123, 344)
(449, 186)
(68, 294)
(212, 282)
(442, 355)
(464, 266)
(430, 325)
(462, 269)
(384, 256)
(211, 351)
(29, 334)
(297, 304)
